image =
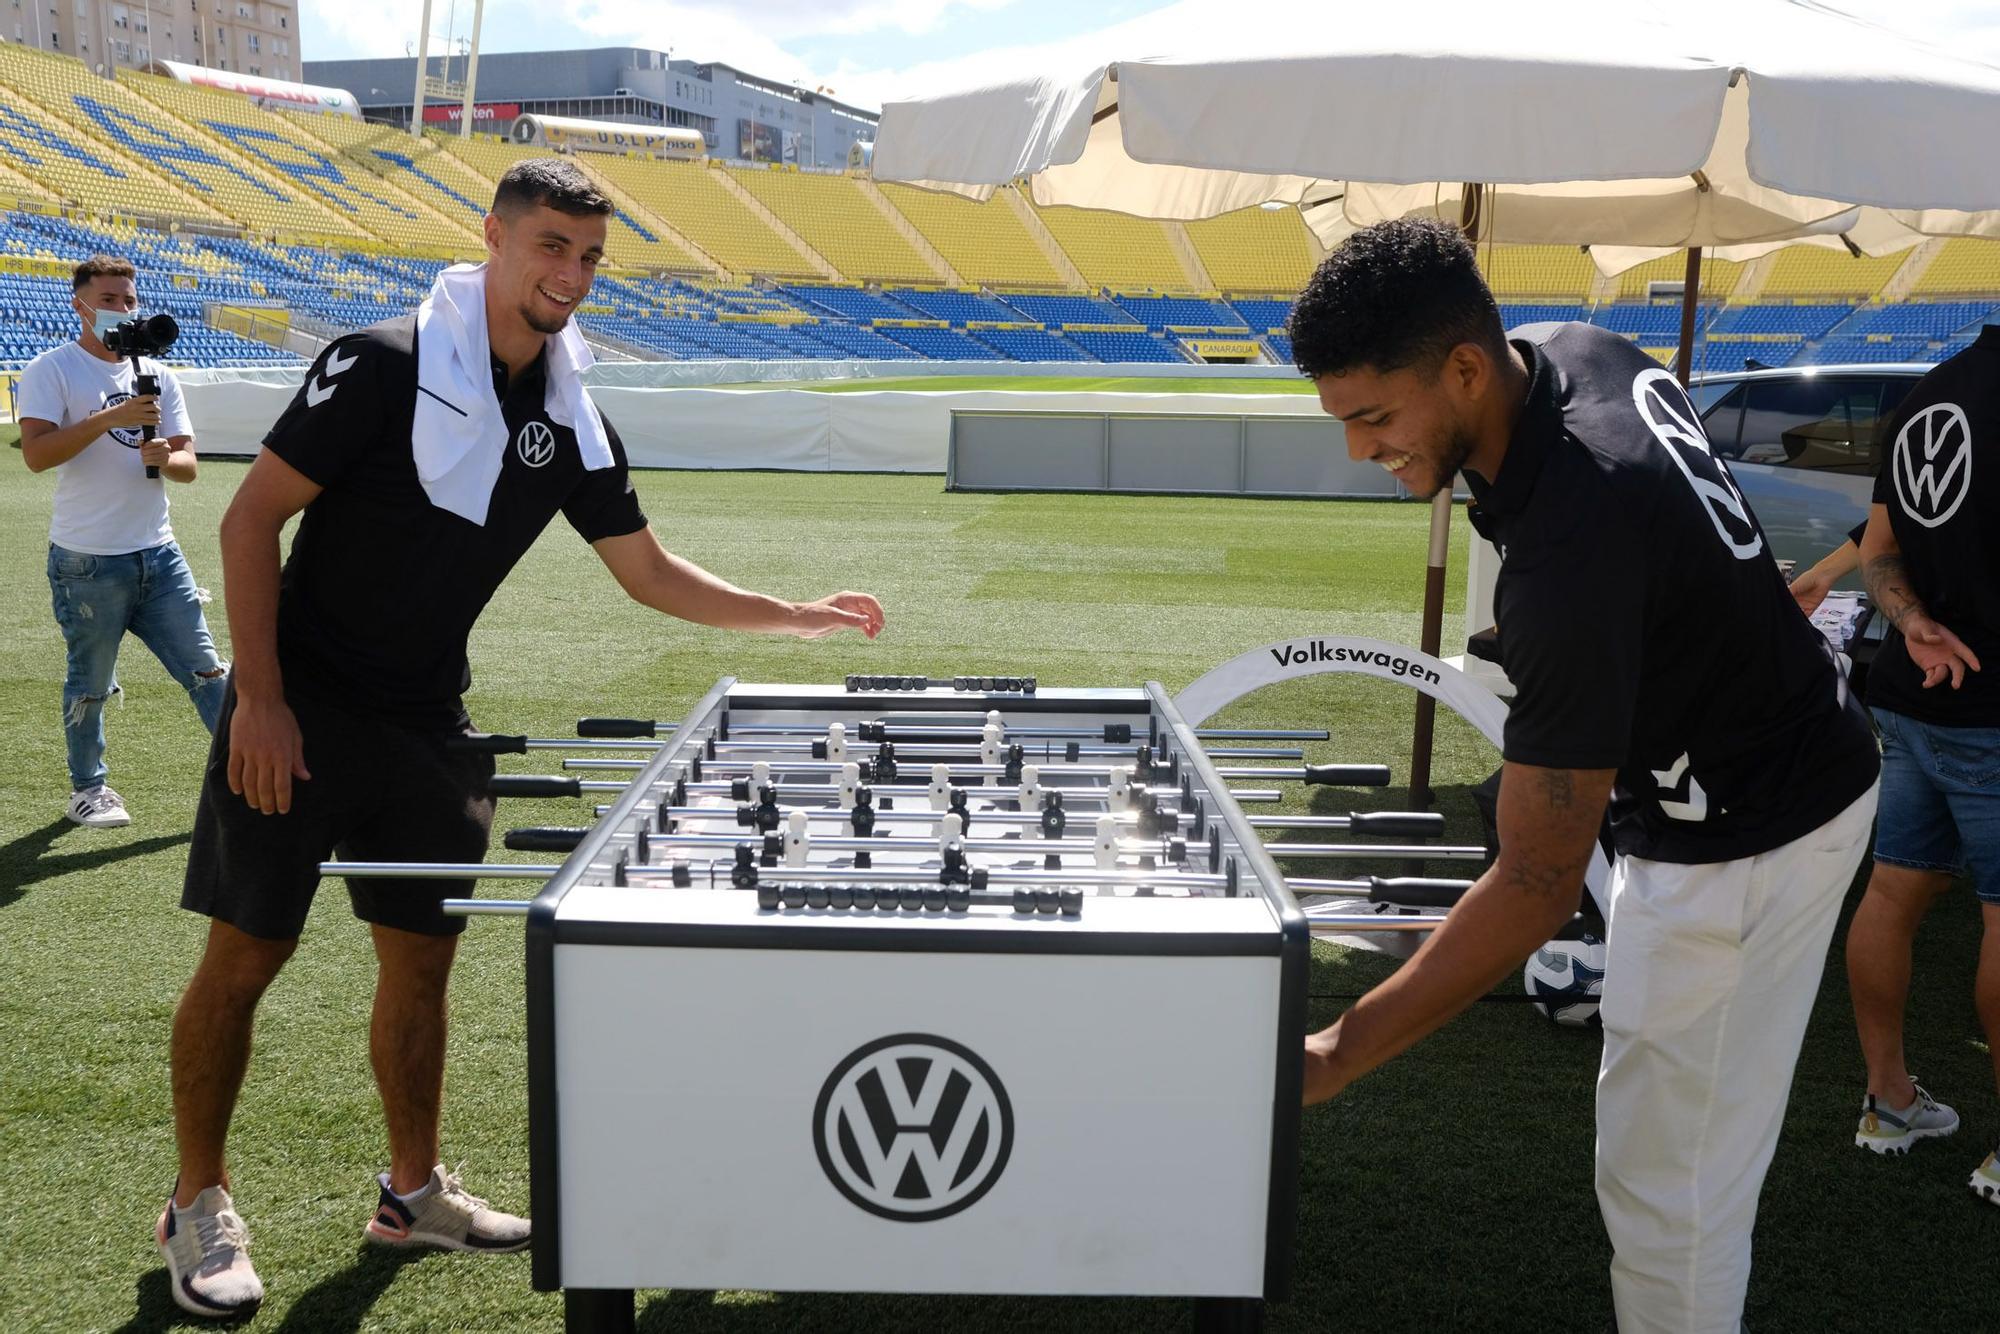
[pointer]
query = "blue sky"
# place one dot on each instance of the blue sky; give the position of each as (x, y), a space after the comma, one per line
(864, 51)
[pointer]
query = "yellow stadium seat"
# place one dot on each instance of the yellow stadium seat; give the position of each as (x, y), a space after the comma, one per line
(280, 150)
(831, 215)
(987, 243)
(1255, 250)
(1718, 276)
(1114, 250)
(59, 144)
(1966, 266)
(1560, 272)
(687, 197)
(632, 240)
(1815, 274)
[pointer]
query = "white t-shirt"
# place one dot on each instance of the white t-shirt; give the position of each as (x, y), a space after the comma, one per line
(105, 504)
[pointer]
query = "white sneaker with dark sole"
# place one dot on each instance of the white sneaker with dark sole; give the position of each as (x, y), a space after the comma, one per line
(443, 1215)
(1894, 1130)
(1985, 1181)
(207, 1250)
(98, 808)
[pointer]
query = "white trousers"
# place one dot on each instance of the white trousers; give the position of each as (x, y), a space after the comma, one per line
(1712, 974)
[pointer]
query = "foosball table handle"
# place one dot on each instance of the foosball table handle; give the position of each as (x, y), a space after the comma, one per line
(1347, 775)
(487, 743)
(544, 838)
(1397, 824)
(533, 785)
(1416, 892)
(608, 727)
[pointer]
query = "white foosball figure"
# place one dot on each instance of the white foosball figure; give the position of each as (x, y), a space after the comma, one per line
(850, 783)
(940, 790)
(797, 845)
(1106, 848)
(990, 748)
(1118, 791)
(950, 826)
(836, 742)
(1030, 795)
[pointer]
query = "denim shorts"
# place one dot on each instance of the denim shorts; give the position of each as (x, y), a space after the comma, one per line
(1940, 806)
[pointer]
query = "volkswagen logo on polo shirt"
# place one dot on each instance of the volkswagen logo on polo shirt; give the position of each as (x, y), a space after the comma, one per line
(129, 436)
(913, 1127)
(1933, 463)
(1663, 405)
(536, 444)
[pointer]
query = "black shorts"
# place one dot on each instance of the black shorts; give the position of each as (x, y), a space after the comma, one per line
(378, 792)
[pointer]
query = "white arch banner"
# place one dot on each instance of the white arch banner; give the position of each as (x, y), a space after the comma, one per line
(1319, 655)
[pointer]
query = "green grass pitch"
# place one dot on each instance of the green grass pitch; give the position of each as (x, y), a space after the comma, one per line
(1451, 1191)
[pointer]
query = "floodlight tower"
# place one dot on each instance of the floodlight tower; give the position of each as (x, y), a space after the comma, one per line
(471, 71)
(423, 69)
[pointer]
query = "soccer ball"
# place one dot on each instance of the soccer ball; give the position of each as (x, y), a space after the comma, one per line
(1566, 977)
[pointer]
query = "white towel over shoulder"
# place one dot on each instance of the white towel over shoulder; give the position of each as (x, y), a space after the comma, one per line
(459, 435)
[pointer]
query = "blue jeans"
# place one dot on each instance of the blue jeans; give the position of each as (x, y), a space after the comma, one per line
(1940, 800)
(97, 599)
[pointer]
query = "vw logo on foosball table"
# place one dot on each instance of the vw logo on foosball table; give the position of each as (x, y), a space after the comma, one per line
(913, 1127)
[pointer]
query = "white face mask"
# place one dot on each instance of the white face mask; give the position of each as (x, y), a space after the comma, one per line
(103, 322)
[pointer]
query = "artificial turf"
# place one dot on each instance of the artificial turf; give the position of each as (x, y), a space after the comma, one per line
(1450, 1191)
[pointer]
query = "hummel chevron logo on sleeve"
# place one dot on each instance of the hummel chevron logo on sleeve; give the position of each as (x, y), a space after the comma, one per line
(319, 391)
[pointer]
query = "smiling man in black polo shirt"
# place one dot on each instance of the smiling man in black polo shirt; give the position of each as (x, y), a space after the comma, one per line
(427, 453)
(1661, 667)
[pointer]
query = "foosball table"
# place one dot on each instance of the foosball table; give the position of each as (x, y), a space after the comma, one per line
(926, 986)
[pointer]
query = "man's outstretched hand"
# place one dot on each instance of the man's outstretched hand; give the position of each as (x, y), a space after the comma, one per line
(841, 611)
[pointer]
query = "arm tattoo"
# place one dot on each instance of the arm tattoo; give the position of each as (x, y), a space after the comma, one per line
(1558, 789)
(1888, 582)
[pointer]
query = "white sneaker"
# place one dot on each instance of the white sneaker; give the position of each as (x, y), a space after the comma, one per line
(1894, 1130)
(98, 808)
(443, 1214)
(207, 1250)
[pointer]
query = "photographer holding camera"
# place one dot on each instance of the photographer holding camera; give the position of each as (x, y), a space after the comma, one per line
(95, 408)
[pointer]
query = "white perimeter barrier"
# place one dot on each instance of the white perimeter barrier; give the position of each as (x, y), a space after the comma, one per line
(666, 423)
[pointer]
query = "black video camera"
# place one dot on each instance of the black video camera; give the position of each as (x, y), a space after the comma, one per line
(137, 338)
(149, 337)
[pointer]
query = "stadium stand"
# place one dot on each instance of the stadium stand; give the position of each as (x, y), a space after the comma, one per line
(1528, 271)
(1263, 314)
(1179, 312)
(325, 223)
(851, 303)
(1112, 250)
(1032, 345)
(830, 214)
(1963, 266)
(1718, 277)
(1045, 309)
(986, 243)
(1808, 272)
(283, 173)
(634, 240)
(1516, 314)
(951, 306)
(687, 197)
(1109, 345)
(1255, 250)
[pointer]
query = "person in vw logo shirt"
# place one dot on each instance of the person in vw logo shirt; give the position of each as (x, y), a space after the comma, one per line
(1662, 668)
(1929, 557)
(350, 670)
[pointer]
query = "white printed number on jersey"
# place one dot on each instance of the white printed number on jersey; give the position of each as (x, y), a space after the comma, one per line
(319, 390)
(1933, 463)
(1663, 405)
